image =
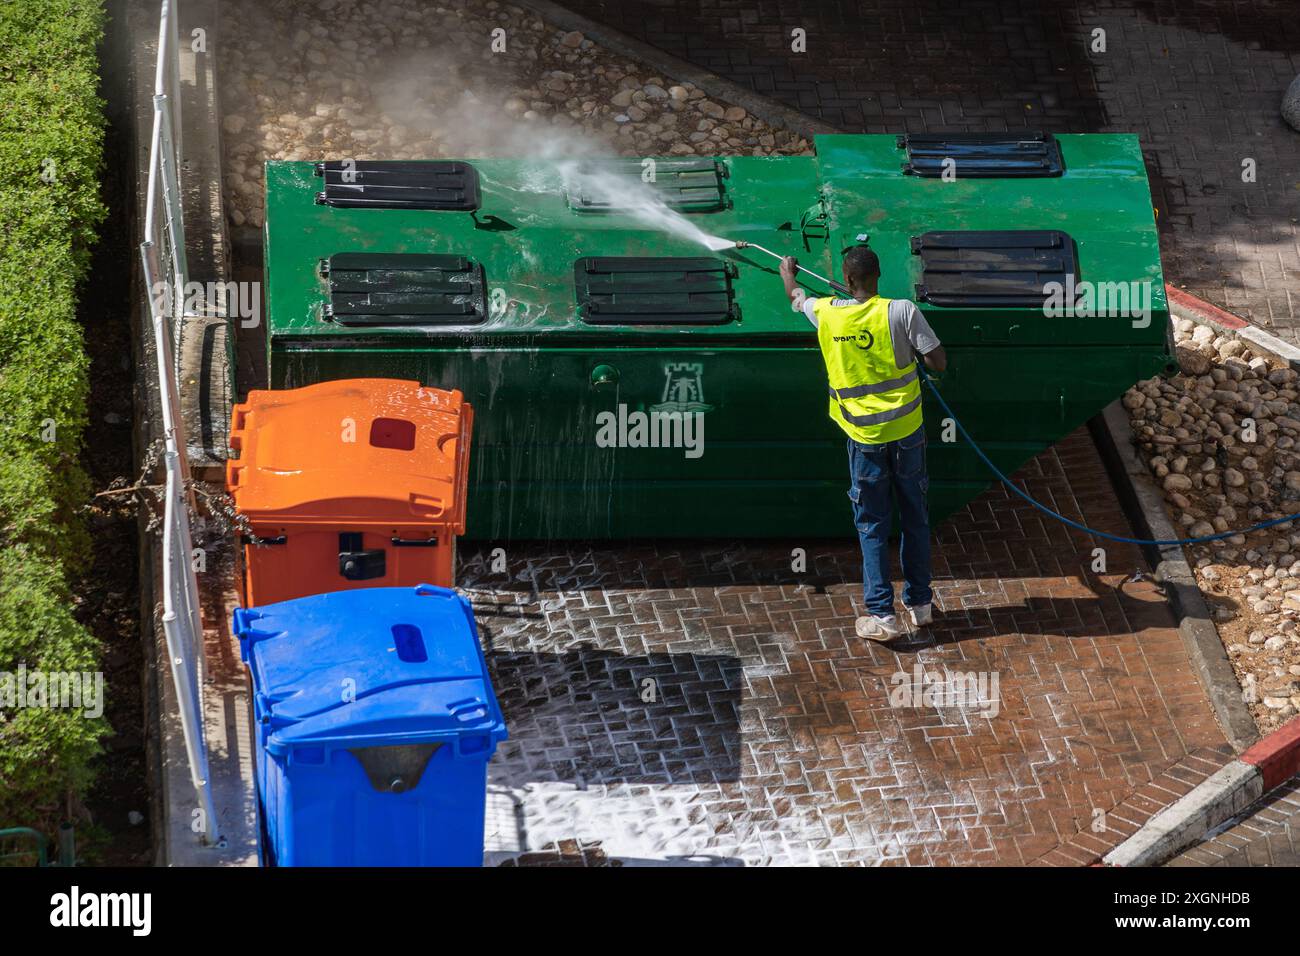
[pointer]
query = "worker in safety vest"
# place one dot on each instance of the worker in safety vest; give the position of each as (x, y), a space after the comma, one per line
(870, 346)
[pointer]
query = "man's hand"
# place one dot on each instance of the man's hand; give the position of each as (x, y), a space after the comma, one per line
(788, 272)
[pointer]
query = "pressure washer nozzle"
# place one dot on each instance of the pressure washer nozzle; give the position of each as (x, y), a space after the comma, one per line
(741, 243)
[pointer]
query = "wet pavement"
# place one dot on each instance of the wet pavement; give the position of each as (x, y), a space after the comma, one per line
(1200, 83)
(701, 702)
(1266, 834)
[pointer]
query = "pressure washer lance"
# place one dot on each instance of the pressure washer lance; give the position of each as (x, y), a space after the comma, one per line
(742, 244)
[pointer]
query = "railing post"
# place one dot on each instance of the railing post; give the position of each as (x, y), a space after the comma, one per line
(173, 427)
(171, 191)
(178, 628)
(174, 68)
(67, 845)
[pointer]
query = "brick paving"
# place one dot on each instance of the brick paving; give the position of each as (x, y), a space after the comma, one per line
(699, 702)
(1113, 826)
(1266, 834)
(1200, 83)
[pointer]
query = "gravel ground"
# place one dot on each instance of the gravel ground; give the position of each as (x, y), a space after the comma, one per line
(342, 79)
(1221, 439)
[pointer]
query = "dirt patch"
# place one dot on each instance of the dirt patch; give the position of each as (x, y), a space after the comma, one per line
(114, 831)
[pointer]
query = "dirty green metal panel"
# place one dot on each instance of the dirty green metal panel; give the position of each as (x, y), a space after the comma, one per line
(772, 464)
(527, 238)
(1102, 202)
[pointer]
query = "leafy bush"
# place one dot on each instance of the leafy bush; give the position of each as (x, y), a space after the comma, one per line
(51, 140)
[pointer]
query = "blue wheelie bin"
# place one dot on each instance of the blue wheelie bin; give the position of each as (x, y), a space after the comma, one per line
(376, 719)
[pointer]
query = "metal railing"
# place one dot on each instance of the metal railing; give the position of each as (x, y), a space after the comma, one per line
(166, 276)
(38, 846)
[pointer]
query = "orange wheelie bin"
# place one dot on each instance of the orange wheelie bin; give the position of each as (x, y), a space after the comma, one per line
(348, 484)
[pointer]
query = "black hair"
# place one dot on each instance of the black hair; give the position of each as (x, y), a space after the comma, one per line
(860, 264)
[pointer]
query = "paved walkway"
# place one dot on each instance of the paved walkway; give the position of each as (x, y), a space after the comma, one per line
(1200, 83)
(698, 701)
(1266, 834)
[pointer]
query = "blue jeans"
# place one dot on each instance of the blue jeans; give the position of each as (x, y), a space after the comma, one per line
(881, 475)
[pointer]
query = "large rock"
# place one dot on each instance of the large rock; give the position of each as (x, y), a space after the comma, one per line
(1291, 104)
(1191, 361)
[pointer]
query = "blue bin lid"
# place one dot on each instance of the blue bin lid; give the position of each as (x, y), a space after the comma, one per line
(368, 667)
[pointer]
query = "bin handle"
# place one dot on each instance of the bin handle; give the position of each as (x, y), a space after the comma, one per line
(462, 455)
(432, 590)
(813, 223)
(466, 710)
(992, 340)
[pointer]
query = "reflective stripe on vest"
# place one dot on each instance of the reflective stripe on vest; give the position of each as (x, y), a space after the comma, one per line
(879, 418)
(871, 398)
(859, 390)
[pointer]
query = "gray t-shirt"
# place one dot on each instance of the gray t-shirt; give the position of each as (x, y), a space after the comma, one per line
(907, 327)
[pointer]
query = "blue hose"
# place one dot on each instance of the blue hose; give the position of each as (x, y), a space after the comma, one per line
(1074, 524)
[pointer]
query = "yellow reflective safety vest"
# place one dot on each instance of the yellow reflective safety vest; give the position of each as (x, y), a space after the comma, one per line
(872, 399)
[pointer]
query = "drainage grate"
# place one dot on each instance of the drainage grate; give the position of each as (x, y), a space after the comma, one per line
(647, 291)
(369, 288)
(399, 185)
(689, 185)
(992, 268)
(982, 155)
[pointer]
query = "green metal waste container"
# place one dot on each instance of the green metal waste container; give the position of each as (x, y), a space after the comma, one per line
(630, 381)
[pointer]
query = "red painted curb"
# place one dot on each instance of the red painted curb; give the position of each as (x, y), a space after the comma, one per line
(1277, 756)
(1208, 312)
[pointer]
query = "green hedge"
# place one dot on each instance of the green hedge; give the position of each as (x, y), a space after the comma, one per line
(51, 141)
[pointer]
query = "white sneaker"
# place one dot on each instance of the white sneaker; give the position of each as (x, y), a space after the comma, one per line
(878, 628)
(922, 615)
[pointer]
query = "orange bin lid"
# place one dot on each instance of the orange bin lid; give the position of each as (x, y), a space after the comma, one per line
(356, 452)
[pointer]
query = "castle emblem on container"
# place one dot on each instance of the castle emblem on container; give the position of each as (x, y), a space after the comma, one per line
(683, 388)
